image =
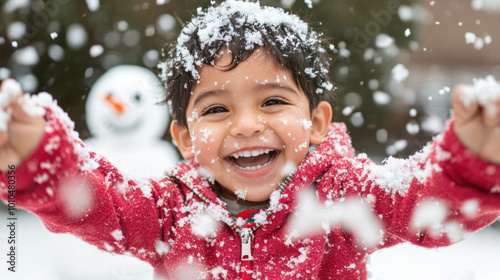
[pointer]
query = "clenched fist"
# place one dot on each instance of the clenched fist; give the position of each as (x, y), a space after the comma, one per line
(20, 132)
(477, 118)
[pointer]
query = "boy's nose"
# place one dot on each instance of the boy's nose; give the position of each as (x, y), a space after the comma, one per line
(247, 125)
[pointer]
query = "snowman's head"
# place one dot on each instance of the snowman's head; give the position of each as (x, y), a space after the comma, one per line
(123, 104)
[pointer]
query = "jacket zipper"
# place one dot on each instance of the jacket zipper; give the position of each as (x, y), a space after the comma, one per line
(246, 235)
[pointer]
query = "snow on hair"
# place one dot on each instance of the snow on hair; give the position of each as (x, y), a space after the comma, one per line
(240, 27)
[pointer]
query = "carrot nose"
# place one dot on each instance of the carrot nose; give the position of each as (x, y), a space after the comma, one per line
(117, 105)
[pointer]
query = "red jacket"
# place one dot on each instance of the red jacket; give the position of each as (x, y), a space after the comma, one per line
(76, 191)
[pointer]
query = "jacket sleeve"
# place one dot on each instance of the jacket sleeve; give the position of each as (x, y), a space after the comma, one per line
(76, 191)
(435, 198)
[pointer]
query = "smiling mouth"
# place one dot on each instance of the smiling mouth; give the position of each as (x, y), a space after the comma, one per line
(253, 160)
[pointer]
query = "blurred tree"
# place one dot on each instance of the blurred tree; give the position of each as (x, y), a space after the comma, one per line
(63, 46)
(369, 39)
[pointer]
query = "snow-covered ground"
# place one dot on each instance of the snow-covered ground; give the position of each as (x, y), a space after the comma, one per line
(43, 255)
(477, 258)
(46, 256)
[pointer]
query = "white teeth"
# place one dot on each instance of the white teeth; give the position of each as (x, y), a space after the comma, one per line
(253, 167)
(253, 153)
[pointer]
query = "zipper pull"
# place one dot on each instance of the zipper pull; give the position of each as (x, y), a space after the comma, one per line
(246, 235)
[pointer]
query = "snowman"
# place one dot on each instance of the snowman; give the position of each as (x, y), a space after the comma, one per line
(127, 124)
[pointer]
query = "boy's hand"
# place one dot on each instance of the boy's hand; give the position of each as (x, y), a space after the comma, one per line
(20, 133)
(477, 121)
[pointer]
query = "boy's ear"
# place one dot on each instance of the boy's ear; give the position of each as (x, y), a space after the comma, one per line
(181, 136)
(320, 118)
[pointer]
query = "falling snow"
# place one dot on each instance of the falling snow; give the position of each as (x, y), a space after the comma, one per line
(476, 41)
(381, 98)
(204, 224)
(354, 215)
(311, 215)
(93, 5)
(383, 41)
(430, 215)
(26, 56)
(400, 73)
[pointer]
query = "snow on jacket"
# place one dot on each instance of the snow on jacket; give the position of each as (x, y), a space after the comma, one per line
(161, 221)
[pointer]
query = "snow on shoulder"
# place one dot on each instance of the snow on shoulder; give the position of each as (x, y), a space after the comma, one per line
(396, 175)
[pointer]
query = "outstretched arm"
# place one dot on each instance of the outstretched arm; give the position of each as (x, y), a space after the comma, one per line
(449, 189)
(73, 190)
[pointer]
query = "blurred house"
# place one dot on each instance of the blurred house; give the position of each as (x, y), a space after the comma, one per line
(457, 43)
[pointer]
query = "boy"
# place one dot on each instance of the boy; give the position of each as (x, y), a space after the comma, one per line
(246, 86)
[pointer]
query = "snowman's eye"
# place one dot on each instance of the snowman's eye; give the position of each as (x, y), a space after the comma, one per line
(137, 97)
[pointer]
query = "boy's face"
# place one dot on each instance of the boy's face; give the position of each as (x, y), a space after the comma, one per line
(251, 126)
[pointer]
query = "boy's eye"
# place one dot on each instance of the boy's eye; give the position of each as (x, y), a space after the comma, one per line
(214, 110)
(273, 101)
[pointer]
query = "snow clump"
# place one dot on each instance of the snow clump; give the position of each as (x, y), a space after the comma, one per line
(161, 247)
(397, 174)
(241, 194)
(9, 91)
(484, 91)
(117, 235)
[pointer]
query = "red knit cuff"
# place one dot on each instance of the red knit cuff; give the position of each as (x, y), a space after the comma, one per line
(53, 159)
(464, 166)
(27, 167)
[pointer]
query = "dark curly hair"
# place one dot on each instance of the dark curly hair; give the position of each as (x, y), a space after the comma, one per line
(240, 28)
